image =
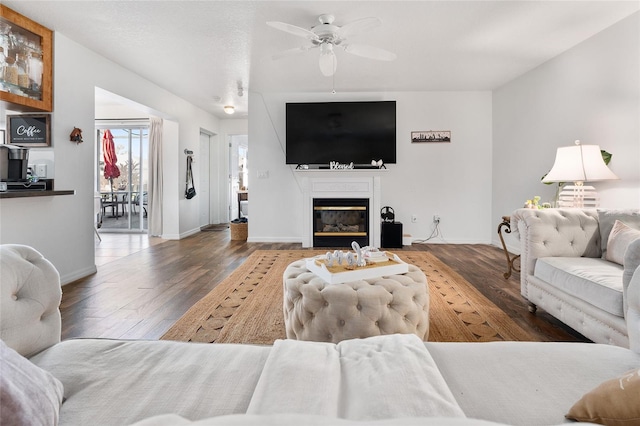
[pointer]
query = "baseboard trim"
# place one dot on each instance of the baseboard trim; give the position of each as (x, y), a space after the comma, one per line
(76, 275)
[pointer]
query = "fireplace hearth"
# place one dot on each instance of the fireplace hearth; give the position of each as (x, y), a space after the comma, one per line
(337, 222)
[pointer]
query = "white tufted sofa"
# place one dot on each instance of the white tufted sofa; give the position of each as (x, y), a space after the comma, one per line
(151, 383)
(30, 315)
(563, 272)
(315, 310)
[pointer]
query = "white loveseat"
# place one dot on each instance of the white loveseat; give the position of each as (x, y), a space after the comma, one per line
(384, 380)
(566, 271)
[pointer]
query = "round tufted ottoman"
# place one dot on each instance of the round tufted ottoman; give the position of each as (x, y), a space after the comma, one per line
(318, 311)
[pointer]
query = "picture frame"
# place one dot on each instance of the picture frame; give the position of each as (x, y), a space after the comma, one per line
(29, 130)
(431, 136)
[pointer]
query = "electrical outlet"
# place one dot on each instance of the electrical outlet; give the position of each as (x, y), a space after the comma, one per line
(436, 218)
(41, 170)
(414, 218)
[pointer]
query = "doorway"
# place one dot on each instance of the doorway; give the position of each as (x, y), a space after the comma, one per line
(122, 195)
(238, 177)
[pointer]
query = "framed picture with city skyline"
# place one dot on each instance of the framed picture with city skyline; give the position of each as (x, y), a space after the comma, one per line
(431, 136)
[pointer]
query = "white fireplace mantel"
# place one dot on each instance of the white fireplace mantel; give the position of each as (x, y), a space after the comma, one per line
(341, 185)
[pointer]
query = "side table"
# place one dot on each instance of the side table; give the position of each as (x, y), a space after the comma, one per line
(506, 224)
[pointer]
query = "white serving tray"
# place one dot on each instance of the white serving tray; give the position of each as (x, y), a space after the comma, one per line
(318, 266)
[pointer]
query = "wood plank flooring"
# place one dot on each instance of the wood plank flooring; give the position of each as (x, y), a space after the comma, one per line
(144, 285)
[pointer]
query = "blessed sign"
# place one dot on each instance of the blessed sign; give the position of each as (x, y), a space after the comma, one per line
(29, 130)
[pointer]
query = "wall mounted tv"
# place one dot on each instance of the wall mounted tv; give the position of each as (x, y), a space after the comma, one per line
(321, 132)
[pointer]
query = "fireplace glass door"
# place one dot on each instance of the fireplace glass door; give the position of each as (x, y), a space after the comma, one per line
(337, 222)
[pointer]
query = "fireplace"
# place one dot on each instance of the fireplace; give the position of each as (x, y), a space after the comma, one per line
(360, 185)
(337, 222)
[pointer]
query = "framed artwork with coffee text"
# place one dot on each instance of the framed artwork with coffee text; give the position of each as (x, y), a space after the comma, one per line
(29, 130)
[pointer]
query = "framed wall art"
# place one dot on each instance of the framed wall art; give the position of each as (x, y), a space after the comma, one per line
(431, 136)
(31, 44)
(29, 130)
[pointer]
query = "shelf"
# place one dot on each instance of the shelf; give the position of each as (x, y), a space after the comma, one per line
(30, 194)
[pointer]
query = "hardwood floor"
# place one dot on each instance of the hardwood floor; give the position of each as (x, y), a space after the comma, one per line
(144, 285)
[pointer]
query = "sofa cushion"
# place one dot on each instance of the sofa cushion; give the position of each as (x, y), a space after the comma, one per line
(28, 394)
(620, 238)
(606, 219)
(614, 402)
(526, 383)
(596, 281)
(112, 382)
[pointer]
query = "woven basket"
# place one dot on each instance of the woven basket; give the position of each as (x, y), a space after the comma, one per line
(239, 231)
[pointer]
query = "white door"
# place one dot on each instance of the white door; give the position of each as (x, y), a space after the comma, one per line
(204, 181)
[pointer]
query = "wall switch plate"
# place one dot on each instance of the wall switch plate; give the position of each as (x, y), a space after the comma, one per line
(263, 174)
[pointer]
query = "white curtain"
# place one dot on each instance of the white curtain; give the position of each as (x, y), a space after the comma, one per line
(154, 207)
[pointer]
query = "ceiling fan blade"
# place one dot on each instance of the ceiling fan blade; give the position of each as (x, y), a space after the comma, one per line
(370, 52)
(358, 26)
(292, 52)
(292, 29)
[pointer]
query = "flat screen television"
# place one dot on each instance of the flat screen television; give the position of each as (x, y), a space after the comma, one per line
(319, 133)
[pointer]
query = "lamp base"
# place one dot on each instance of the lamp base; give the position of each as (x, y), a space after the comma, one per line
(579, 196)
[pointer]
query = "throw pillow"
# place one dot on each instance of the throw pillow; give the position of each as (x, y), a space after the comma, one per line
(606, 219)
(614, 402)
(29, 395)
(619, 239)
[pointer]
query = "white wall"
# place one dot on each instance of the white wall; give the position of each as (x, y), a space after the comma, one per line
(61, 227)
(592, 93)
(449, 179)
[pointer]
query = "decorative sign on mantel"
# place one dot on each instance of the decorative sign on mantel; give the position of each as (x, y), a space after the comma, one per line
(29, 130)
(334, 165)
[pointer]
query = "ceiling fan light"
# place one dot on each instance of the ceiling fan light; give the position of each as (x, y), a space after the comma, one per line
(229, 109)
(328, 61)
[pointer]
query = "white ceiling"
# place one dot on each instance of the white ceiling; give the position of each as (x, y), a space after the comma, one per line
(200, 50)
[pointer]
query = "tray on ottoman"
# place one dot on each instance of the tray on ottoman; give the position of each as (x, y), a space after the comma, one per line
(340, 274)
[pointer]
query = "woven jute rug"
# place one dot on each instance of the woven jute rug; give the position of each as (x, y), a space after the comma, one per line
(246, 307)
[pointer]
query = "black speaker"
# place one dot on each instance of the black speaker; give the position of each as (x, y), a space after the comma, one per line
(391, 235)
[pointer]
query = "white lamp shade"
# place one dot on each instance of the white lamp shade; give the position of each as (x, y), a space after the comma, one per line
(328, 62)
(580, 163)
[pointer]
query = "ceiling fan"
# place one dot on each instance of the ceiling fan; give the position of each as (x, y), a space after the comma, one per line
(326, 36)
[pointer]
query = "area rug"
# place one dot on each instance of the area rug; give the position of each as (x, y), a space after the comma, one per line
(246, 307)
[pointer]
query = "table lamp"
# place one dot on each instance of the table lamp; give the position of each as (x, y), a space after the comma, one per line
(579, 164)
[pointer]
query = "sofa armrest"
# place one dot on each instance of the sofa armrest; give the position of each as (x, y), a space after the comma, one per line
(554, 232)
(631, 263)
(633, 311)
(30, 295)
